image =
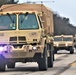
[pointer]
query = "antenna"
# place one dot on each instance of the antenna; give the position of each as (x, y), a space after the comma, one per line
(36, 2)
(44, 1)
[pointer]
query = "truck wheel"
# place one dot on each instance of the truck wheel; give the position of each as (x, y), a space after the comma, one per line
(51, 57)
(55, 51)
(42, 62)
(10, 64)
(2, 63)
(2, 66)
(71, 50)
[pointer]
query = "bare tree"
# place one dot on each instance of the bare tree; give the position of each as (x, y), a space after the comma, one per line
(62, 26)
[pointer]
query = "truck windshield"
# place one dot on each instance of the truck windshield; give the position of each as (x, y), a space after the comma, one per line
(8, 22)
(57, 39)
(27, 21)
(67, 39)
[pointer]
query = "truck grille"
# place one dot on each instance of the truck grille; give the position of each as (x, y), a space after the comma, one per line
(13, 38)
(17, 54)
(20, 39)
(61, 45)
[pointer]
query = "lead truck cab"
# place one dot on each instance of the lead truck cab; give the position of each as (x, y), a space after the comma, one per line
(64, 42)
(23, 38)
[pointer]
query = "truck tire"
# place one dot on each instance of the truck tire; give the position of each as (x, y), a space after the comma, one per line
(2, 66)
(71, 50)
(51, 57)
(42, 62)
(55, 51)
(2, 63)
(10, 64)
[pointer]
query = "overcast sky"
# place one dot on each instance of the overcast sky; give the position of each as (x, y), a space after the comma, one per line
(65, 8)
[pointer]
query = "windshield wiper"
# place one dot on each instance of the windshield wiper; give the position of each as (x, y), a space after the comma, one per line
(0, 15)
(10, 18)
(24, 18)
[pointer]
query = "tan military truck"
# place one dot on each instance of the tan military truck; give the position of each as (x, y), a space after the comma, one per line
(64, 42)
(25, 35)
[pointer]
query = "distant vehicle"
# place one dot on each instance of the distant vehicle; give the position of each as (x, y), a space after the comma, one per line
(64, 42)
(25, 35)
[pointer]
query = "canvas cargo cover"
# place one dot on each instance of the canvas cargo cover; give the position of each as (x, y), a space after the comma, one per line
(47, 16)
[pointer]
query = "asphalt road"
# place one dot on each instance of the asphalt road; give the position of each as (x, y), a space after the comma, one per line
(64, 64)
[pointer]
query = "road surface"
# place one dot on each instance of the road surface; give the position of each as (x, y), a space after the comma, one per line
(64, 64)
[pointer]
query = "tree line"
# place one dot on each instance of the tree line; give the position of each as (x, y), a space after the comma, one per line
(62, 26)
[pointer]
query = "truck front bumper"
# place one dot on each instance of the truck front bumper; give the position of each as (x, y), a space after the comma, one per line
(61, 48)
(26, 51)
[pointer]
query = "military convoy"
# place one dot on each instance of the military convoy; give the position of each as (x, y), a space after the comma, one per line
(26, 35)
(64, 42)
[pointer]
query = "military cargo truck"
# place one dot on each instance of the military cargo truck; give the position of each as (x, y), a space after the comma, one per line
(64, 42)
(26, 35)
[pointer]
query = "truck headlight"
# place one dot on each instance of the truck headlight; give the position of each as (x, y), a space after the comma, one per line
(5, 48)
(1, 48)
(57, 45)
(34, 48)
(66, 44)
